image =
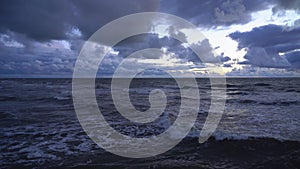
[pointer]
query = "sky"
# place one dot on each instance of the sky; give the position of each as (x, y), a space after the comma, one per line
(40, 38)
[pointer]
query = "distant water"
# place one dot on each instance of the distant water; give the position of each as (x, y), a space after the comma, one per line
(259, 129)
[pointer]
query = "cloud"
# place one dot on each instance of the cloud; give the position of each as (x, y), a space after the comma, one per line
(179, 55)
(227, 65)
(44, 37)
(32, 32)
(264, 44)
(294, 59)
(224, 58)
(58, 56)
(269, 36)
(43, 21)
(48, 20)
(261, 58)
(265, 72)
(213, 13)
(43, 58)
(286, 5)
(172, 45)
(231, 12)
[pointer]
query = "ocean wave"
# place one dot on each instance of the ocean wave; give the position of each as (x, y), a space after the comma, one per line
(7, 115)
(221, 136)
(248, 101)
(59, 98)
(237, 137)
(262, 84)
(280, 103)
(9, 98)
(237, 93)
(189, 87)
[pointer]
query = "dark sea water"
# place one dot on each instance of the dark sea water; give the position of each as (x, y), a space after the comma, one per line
(260, 127)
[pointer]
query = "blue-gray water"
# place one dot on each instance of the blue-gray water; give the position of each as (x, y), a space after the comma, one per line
(259, 129)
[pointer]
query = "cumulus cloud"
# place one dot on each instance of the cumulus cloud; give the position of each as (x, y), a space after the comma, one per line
(212, 13)
(31, 31)
(44, 37)
(57, 56)
(268, 36)
(231, 12)
(43, 58)
(264, 44)
(48, 20)
(172, 45)
(294, 59)
(260, 57)
(286, 5)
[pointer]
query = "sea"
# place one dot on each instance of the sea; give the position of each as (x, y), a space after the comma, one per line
(260, 126)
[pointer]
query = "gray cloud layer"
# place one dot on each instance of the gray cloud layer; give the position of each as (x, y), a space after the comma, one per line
(212, 13)
(265, 43)
(286, 4)
(47, 20)
(35, 24)
(44, 20)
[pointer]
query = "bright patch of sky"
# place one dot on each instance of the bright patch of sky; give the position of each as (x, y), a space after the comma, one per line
(219, 39)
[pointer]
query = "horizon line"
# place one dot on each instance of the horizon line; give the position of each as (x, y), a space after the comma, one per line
(30, 76)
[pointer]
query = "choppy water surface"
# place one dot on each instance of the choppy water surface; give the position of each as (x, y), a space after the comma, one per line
(259, 129)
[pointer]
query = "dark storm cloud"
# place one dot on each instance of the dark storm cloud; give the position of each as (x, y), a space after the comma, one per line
(144, 41)
(286, 4)
(172, 45)
(212, 13)
(276, 37)
(224, 58)
(44, 20)
(264, 44)
(36, 23)
(262, 58)
(39, 20)
(47, 20)
(92, 14)
(294, 59)
(227, 65)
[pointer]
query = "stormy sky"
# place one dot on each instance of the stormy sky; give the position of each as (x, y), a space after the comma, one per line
(40, 38)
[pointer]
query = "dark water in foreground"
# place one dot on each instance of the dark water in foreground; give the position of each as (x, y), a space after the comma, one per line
(259, 129)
